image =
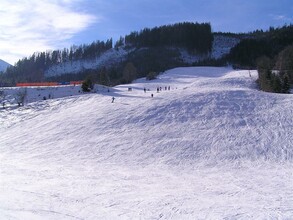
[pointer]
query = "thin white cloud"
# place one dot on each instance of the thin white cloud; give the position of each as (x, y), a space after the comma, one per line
(27, 26)
(282, 18)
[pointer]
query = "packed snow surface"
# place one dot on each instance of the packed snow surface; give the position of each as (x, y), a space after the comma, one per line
(210, 147)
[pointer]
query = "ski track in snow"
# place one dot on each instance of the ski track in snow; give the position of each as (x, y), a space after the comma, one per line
(211, 147)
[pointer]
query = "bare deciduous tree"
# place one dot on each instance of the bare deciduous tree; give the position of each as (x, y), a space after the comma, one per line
(20, 96)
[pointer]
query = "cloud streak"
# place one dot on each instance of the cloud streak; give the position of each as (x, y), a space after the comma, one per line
(27, 26)
(282, 18)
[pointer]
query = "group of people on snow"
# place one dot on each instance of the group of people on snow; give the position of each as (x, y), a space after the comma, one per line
(159, 88)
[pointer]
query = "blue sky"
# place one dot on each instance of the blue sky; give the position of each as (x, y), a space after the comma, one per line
(27, 26)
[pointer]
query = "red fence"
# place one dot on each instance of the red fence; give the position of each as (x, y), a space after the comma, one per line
(48, 83)
(75, 82)
(37, 84)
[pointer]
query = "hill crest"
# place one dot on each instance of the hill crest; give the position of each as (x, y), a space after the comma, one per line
(3, 65)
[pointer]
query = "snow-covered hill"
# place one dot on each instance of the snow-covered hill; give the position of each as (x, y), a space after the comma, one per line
(3, 65)
(110, 57)
(221, 46)
(211, 147)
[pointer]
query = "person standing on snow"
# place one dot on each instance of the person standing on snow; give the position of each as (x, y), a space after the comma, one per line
(113, 98)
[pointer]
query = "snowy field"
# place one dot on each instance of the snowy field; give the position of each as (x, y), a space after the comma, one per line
(211, 147)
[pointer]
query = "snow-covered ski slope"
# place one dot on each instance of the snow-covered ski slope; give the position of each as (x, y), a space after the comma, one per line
(211, 147)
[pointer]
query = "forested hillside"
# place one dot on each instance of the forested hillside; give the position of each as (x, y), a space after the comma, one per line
(196, 37)
(155, 49)
(32, 69)
(259, 44)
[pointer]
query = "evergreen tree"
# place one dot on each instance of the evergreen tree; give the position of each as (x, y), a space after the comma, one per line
(87, 85)
(119, 43)
(129, 73)
(264, 74)
(152, 75)
(104, 77)
(286, 84)
(276, 83)
(284, 62)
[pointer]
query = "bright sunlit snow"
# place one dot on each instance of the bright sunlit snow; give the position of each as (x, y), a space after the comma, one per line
(211, 147)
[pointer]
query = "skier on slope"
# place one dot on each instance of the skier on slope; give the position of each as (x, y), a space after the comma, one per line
(113, 98)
